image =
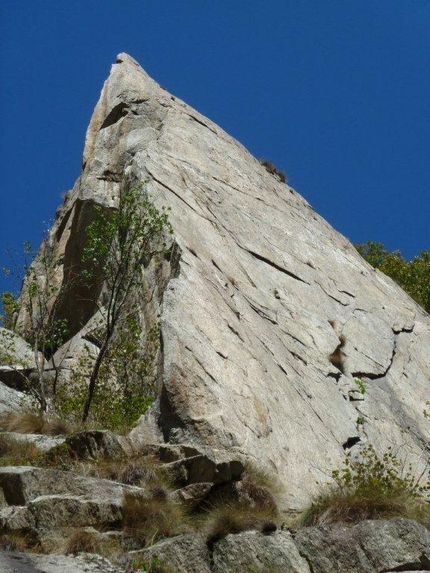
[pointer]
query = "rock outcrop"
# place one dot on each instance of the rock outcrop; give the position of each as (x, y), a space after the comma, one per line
(369, 547)
(268, 315)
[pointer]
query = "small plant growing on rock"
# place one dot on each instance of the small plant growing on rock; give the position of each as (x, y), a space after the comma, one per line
(83, 540)
(371, 487)
(273, 170)
(15, 452)
(361, 385)
(147, 519)
(228, 518)
(32, 423)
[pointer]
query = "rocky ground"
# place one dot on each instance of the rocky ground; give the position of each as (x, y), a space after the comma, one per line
(74, 515)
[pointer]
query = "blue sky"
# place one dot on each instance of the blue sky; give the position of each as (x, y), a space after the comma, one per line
(334, 92)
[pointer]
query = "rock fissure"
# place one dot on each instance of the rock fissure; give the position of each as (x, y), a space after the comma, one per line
(274, 265)
(199, 121)
(179, 197)
(345, 304)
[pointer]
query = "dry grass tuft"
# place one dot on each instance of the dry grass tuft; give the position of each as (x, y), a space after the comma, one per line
(235, 518)
(17, 541)
(148, 519)
(273, 170)
(83, 540)
(31, 423)
(335, 506)
(17, 452)
(337, 357)
(141, 471)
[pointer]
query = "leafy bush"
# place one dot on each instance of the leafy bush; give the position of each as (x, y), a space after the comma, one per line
(413, 276)
(371, 487)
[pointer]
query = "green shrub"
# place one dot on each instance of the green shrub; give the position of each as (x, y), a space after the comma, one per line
(361, 385)
(371, 487)
(413, 276)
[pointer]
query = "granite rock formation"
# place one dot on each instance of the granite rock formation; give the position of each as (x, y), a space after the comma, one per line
(268, 316)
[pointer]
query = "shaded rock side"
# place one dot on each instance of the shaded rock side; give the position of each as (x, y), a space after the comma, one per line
(267, 314)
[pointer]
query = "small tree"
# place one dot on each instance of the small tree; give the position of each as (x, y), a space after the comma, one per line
(120, 244)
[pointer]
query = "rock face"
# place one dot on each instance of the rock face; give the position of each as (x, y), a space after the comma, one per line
(267, 314)
(369, 547)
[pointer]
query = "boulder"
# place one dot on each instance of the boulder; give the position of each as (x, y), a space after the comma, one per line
(42, 442)
(192, 495)
(189, 463)
(51, 498)
(17, 360)
(252, 551)
(397, 544)
(183, 554)
(98, 443)
(10, 400)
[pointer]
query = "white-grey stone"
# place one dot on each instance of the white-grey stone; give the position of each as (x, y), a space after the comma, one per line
(251, 551)
(49, 499)
(17, 361)
(11, 562)
(10, 400)
(369, 547)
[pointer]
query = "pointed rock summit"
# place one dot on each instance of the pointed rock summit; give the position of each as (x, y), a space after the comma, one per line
(268, 316)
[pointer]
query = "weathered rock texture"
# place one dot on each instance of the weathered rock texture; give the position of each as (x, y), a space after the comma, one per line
(369, 547)
(267, 313)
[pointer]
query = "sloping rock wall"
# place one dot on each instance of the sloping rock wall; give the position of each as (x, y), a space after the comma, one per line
(267, 314)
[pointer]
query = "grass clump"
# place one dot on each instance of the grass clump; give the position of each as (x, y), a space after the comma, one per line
(31, 423)
(236, 517)
(148, 565)
(252, 505)
(139, 470)
(83, 540)
(273, 170)
(371, 487)
(18, 541)
(15, 452)
(147, 519)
